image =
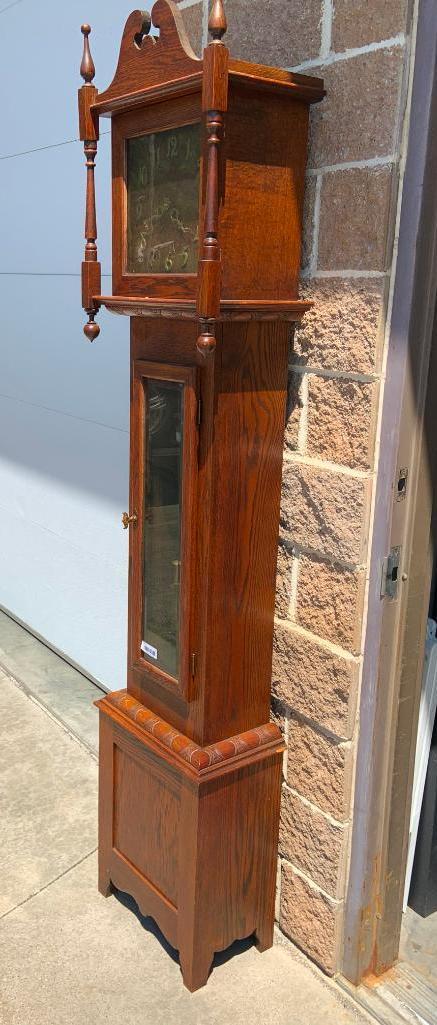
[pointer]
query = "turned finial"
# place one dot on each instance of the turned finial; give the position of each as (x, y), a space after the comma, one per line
(87, 68)
(91, 329)
(217, 24)
(206, 341)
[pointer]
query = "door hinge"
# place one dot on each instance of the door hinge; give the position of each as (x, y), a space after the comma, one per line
(390, 573)
(199, 412)
(193, 663)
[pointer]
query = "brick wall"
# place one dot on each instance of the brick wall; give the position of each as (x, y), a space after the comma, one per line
(361, 51)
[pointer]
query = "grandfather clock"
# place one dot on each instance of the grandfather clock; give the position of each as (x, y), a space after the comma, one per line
(208, 164)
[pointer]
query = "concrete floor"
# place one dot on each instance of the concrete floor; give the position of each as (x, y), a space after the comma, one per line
(52, 682)
(419, 944)
(69, 956)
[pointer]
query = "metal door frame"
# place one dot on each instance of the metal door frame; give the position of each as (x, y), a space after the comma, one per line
(394, 645)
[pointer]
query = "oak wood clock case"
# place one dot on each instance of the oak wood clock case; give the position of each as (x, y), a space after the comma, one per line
(208, 159)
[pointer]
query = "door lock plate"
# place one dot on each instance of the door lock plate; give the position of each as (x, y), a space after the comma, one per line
(390, 573)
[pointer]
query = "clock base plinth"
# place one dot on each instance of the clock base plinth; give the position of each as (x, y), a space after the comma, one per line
(191, 833)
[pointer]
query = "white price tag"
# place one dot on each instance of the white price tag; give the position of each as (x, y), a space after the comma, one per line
(149, 650)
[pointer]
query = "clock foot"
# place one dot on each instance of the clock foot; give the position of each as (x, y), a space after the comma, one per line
(104, 884)
(196, 966)
(264, 936)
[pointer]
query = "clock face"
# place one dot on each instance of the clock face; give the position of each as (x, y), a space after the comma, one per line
(163, 179)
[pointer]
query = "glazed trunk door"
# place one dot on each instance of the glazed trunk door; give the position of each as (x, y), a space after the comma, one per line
(163, 488)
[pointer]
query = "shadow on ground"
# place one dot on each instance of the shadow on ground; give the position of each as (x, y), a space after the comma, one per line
(150, 926)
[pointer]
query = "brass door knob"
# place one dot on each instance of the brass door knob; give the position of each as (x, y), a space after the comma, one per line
(126, 519)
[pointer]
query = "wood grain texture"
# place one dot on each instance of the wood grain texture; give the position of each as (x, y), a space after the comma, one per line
(88, 123)
(254, 138)
(153, 66)
(106, 777)
(252, 186)
(87, 69)
(199, 856)
(89, 134)
(235, 876)
(275, 80)
(149, 68)
(152, 846)
(241, 527)
(214, 105)
(217, 23)
(243, 394)
(191, 768)
(265, 153)
(215, 78)
(118, 829)
(198, 758)
(185, 309)
(127, 878)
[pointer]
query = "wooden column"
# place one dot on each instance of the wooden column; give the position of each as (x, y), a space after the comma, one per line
(214, 105)
(89, 134)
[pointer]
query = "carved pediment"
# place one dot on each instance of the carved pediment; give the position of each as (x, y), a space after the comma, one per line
(148, 62)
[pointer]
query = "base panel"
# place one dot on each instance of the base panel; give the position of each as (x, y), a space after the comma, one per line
(197, 852)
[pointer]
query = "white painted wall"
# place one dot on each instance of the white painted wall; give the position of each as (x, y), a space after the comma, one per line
(63, 402)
